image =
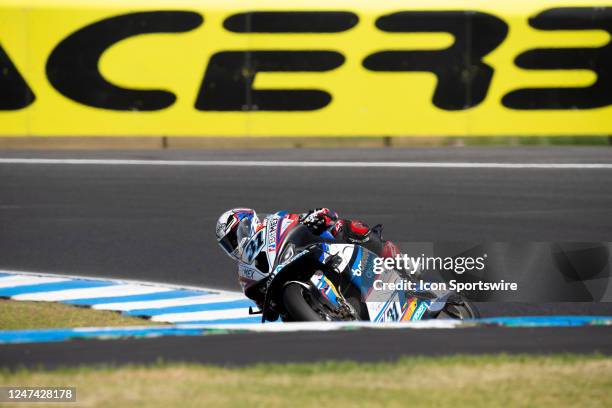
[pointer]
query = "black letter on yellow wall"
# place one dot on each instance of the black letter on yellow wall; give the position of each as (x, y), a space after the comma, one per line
(228, 81)
(598, 60)
(14, 91)
(72, 67)
(229, 77)
(291, 22)
(463, 79)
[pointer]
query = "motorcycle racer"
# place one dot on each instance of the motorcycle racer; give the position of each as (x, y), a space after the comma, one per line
(236, 227)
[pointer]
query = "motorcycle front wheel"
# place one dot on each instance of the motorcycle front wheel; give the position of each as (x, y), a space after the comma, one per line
(296, 304)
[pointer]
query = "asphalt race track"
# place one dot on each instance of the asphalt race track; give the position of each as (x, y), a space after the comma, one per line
(156, 223)
(364, 345)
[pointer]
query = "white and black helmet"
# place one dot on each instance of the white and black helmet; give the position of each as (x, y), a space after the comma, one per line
(233, 227)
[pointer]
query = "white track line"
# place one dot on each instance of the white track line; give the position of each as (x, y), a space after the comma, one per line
(87, 293)
(356, 164)
(13, 281)
(157, 304)
(329, 326)
(207, 315)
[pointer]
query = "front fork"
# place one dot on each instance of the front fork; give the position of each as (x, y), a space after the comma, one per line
(332, 298)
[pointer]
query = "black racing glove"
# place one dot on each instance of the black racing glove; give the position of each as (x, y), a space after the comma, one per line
(318, 220)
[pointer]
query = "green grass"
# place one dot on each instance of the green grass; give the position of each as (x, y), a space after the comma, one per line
(16, 315)
(458, 381)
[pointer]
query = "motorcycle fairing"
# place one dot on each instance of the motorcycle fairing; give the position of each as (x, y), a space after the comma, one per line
(357, 263)
(344, 251)
(278, 226)
(325, 264)
(382, 305)
(248, 275)
(325, 287)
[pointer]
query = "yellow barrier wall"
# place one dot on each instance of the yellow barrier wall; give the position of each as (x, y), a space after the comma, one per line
(350, 68)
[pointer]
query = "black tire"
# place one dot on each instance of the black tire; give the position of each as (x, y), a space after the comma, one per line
(460, 309)
(296, 305)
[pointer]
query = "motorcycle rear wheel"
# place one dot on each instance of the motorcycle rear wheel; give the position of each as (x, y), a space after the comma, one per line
(459, 309)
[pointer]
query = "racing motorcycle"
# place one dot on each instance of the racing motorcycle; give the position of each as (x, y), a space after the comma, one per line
(313, 278)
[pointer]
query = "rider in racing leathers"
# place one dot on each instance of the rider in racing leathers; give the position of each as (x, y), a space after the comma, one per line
(236, 226)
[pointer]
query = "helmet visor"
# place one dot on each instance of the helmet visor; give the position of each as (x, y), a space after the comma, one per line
(234, 240)
(229, 243)
(244, 231)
